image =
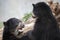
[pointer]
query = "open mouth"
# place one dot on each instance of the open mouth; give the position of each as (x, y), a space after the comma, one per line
(20, 28)
(20, 31)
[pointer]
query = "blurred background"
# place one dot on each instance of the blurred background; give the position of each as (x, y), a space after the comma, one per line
(21, 9)
(16, 8)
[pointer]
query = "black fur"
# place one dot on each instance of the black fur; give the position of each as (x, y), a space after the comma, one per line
(10, 26)
(46, 27)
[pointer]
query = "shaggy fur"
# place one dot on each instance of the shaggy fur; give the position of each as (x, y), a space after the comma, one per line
(10, 32)
(46, 27)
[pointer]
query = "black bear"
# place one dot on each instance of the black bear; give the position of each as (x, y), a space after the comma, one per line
(11, 30)
(46, 27)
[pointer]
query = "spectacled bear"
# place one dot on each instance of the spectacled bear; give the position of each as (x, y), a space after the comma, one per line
(46, 27)
(12, 30)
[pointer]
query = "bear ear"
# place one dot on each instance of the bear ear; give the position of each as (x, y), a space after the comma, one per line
(4, 23)
(33, 5)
